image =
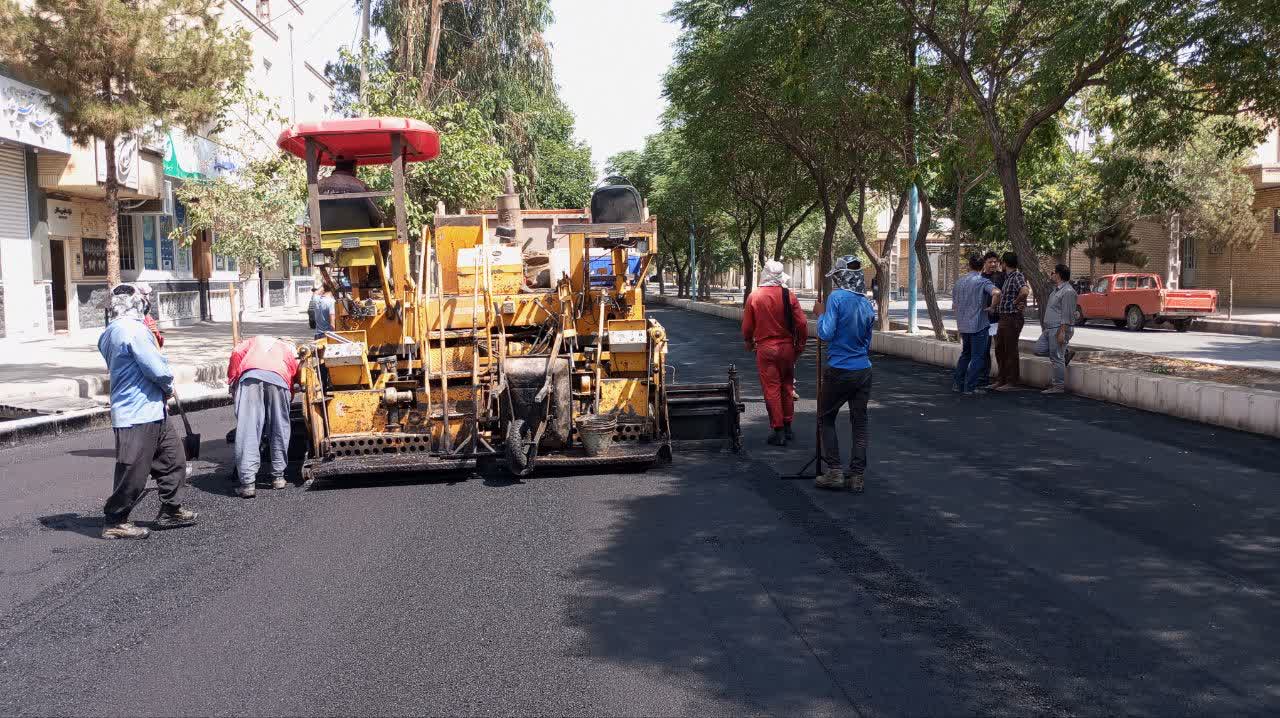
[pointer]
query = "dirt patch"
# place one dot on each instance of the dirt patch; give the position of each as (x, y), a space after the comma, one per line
(1185, 368)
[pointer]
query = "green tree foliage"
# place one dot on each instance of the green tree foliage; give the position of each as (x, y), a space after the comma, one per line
(563, 171)
(118, 68)
(469, 171)
(491, 56)
(1114, 245)
(1171, 61)
(678, 185)
(254, 213)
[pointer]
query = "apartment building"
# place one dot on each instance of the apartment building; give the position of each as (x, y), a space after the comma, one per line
(53, 218)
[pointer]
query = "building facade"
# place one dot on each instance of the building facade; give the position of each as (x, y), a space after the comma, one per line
(1203, 266)
(53, 217)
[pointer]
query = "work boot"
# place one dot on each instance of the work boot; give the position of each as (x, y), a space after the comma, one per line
(777, 438)
(174, 517)
(854, 481)
(279, 483)
(246, 491)
(787, 433)
(125, 530)
(832, 479)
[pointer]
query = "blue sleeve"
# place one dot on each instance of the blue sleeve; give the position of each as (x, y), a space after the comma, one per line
(830, 318)
(150, 361)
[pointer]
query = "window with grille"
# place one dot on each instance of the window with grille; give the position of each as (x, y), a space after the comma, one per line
(1275, 220)
(128, 250)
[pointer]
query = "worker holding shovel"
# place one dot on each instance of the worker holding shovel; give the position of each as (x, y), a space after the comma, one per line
(146, 444)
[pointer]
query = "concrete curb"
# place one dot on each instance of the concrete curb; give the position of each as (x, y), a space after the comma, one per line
(1233, 407)
(1267, 330)
(13, 433)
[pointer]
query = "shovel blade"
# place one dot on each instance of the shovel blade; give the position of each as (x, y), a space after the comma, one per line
(191, 445)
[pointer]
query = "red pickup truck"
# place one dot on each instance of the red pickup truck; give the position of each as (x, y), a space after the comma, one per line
(1132, 300)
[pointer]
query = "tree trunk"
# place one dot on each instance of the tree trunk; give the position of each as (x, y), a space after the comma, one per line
(662, 282)
(830, 221)
(926, 270)
(113, 213)
(760, 254)
(952, 273)
(748, 271)
(1016, 226)
(433, 49)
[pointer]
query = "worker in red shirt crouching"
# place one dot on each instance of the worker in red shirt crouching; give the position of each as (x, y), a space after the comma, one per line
(261, 374)
(774, 327)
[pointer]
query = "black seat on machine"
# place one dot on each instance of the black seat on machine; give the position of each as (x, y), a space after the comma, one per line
(616, 202)
(346, 214)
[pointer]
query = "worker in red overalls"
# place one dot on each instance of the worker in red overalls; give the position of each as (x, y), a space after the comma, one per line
(774, 327)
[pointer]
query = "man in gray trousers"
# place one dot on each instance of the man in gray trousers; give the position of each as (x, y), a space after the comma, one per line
(1059, 313)
(261, 375)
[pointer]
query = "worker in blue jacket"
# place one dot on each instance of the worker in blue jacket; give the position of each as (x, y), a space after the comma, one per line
(146, 444)
(845, 324)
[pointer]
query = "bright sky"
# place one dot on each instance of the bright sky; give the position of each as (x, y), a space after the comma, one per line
(609, 58)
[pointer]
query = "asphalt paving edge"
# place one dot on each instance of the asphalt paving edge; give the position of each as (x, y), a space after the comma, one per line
(1234, 407)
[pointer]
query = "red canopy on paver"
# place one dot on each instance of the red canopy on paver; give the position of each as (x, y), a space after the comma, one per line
(367, 140)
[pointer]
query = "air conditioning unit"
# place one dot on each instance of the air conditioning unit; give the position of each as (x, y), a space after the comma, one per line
(153, 207)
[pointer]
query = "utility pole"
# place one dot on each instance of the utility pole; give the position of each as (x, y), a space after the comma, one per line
(364, 50)
(1173, 277)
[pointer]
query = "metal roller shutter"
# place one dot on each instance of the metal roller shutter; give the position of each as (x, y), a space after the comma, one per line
(15, 242)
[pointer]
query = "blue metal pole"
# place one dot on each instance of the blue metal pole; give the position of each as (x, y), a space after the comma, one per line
(911, 264)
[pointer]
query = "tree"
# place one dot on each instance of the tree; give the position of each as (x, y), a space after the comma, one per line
(1200, 179)
(1114, 245)
(253, 214)
(1174, 60)
(469, 171)
(118, 68)
(563, 172)
(491, 55)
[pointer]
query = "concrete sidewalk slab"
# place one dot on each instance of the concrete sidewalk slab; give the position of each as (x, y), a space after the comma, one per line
(70, 365)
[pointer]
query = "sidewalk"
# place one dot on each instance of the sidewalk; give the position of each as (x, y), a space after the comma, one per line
(68, 372)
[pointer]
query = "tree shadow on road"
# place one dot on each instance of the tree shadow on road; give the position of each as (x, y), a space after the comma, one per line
(1012, 555)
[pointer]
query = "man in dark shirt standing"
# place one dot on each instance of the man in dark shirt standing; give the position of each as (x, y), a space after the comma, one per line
(991, 270)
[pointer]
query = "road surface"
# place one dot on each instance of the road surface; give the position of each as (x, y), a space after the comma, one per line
(1012, 555)
(1259, 352)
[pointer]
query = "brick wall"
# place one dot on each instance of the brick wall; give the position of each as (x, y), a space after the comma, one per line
(1257, 274)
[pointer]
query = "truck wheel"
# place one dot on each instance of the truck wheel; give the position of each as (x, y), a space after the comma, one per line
(1182, 325)
(1134, 321)
(1079, 319)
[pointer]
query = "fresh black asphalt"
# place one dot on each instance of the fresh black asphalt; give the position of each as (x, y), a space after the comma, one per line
(1013, 554)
